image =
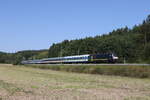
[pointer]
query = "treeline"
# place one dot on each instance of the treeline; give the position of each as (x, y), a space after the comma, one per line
(132, 45)
(6, 57)
(16, 58)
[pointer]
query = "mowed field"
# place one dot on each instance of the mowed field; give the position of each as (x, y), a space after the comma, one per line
(24, 83)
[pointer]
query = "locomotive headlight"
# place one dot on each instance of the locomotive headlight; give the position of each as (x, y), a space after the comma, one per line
(115, 57)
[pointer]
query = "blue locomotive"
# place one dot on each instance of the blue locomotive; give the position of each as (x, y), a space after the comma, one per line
(87, 58)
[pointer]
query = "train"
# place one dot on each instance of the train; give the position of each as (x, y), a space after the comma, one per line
(86, 58)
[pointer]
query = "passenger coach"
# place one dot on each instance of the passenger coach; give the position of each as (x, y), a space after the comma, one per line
(96, 58)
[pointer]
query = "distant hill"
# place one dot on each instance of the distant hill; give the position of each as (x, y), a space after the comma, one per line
(17, 57)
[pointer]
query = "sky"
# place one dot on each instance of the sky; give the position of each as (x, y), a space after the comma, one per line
(37, 24)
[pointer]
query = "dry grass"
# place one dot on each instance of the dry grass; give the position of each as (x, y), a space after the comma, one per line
(22, 83)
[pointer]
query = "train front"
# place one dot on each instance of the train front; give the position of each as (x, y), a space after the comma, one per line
(103, 58)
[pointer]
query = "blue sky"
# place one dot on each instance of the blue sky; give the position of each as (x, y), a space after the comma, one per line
(36, 24)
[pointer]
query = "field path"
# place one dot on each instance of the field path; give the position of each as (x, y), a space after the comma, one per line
(24, 83)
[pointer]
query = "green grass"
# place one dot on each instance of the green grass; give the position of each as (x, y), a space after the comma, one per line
(130, 71)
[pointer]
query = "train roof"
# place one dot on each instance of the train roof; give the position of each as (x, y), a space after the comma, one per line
(85, 55)
(78, 55)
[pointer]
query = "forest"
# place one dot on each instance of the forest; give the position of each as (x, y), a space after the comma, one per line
(129, 44)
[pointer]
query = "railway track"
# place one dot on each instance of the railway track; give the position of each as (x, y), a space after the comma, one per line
(102, 64)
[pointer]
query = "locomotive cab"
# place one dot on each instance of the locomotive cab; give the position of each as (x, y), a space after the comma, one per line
(102, 58)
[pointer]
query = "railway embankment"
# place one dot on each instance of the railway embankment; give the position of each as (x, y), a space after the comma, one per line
(140, 71)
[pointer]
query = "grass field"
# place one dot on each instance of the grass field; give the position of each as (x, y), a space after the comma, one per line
(25, 83)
